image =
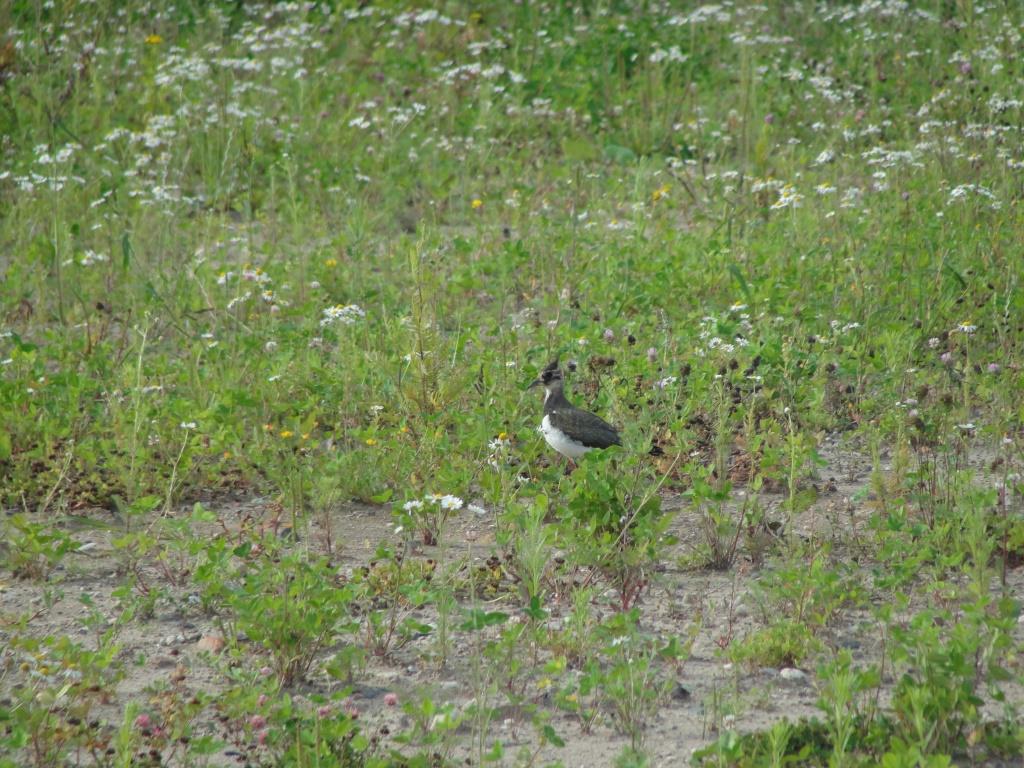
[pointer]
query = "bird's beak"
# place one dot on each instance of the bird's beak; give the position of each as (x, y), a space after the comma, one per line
(535, 383)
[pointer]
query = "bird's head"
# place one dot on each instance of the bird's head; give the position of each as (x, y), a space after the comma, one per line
(550, 377)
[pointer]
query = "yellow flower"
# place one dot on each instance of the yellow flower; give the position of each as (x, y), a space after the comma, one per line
(660, 192)
(154, 39)
(544, 683)
(331, 263)
(503, 436)
(286, 433)
(477, 204)
(370, 441)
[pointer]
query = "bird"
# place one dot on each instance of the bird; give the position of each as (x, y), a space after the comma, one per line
(570, 430)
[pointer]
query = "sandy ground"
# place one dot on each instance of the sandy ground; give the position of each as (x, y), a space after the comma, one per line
(709, 692)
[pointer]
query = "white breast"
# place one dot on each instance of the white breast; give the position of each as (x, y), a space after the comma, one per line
(560, 441)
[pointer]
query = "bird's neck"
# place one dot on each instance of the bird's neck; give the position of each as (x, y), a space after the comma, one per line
(554, 397)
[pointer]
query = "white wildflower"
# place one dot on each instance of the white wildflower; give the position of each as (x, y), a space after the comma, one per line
(91, 257)
(238, 300)
(788, 198)
(343, 315)
(451, 503)
(827, 156)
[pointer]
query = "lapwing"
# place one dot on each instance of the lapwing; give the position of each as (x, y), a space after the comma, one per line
(570, 430)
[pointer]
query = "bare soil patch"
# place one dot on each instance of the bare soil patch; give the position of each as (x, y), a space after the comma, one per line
(179, 646)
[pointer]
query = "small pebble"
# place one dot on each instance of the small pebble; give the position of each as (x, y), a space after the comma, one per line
(212, 643)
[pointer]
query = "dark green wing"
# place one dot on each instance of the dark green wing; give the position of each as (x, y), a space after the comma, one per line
(585, 427)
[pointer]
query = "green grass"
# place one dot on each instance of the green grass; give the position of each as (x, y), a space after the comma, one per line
(751, 227)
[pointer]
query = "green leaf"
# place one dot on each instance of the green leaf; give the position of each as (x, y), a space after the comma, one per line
(382, 498)
(551, 737)
(536, 611)
(241, 397)
(201, 514)
(579, 150)
(734, 270)
(242, 550)
(672, 650)
(144, 504)
(205, 745)
(127, 251)
(17, 739)
(496, 753)
(951, 270)
(417, 627)
(22, 346)
(5, 445)
(619, 154)
(479, 619)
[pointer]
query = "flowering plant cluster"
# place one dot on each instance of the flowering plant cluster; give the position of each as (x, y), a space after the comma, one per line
(428, 515)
